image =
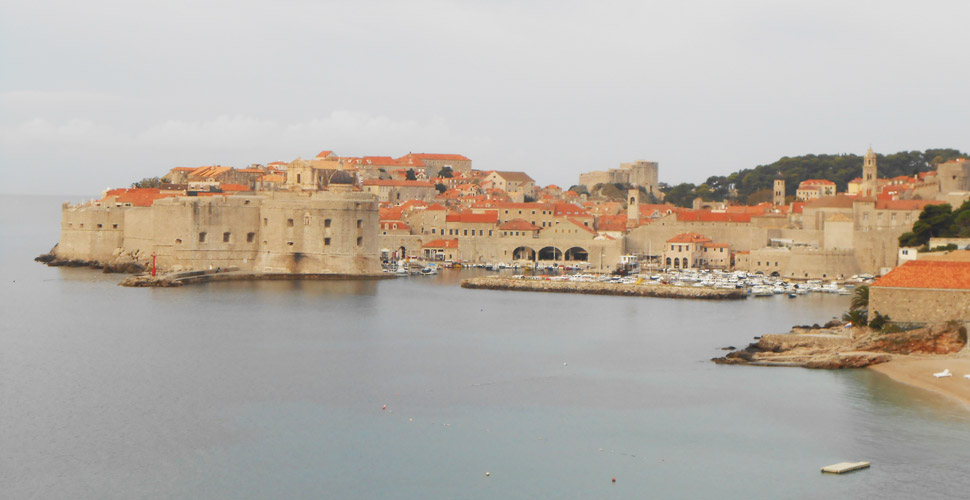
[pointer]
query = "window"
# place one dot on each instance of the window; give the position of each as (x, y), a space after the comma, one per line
(225, 237)
(178, 241)
(99, 226)
(360, 223)
(298, 178)
(289, 222)
(326, 222)
(326, 241)
(114, 226)
(290, 243)
(360, 240)
(202, 237)
(265, 222)
(466, 233)
(250, 237)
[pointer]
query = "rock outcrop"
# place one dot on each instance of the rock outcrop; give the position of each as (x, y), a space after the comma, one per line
(834, 348)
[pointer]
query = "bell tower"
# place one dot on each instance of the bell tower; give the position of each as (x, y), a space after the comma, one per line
(633, 208)
(778, 197)
(870, 178)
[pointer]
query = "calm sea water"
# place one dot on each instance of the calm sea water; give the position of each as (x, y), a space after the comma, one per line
(275, 390)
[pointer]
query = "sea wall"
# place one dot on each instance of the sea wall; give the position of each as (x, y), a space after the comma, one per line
(597, 288)
(299, 233)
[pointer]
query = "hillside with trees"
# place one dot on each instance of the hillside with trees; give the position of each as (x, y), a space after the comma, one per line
(938, 221)
(754, 185)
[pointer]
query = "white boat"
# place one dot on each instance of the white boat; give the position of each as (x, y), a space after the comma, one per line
(429, 270)
(762, 291)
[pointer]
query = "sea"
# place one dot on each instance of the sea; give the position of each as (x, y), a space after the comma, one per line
(414, 388)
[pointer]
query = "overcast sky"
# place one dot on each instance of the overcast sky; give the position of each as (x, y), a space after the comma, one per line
(102, 93)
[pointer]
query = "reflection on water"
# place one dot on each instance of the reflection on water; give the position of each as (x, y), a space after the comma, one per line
(275, 389)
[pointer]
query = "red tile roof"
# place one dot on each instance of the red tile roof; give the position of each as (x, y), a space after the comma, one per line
(489, 217)
(519, 225)
(816, 182)
(138, 197)
(611, 223)
(928, 274)
(452, 243)
(689, 238)
(435, 206)
(324, 154)
(569, 209)
(905, 204)
(233, 187)
(437, 156)
(708, 216)
(387, 182)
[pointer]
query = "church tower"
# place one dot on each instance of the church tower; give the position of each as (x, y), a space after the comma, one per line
(778, 197)
(633, 209)
(870, 179)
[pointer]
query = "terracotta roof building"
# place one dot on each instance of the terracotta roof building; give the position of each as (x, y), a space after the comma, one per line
(921, 291)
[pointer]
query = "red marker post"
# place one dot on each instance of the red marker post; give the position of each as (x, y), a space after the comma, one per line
(153, 264)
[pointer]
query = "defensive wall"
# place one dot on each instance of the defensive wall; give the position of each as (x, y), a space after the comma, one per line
(919, 305)
(275, 232)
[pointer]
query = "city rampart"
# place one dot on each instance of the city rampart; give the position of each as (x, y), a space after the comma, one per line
(919, 305)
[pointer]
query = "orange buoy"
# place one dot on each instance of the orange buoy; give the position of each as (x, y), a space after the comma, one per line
(384, 407)
(614, 479)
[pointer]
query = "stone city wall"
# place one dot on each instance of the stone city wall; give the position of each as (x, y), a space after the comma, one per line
(910, 305)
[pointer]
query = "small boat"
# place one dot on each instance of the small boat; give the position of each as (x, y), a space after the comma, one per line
(429, 270)
(944, 373)
(792, 295)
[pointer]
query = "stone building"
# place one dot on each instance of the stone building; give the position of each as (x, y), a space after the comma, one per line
(434, 162)
(396, 191)
(640, 173)
(923, 292)
(694, 251)
(327, 232)
(511, 182)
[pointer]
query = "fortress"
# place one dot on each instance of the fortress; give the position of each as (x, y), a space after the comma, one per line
(323, 232)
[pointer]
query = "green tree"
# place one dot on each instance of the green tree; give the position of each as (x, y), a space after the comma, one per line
(879, 321)
(446, 172)
(855, 316)
(934, 222)
(860, 298)
(148, 182)
(410, 175)
(441, 187)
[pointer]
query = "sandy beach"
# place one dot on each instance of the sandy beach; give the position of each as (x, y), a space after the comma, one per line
(918, 371)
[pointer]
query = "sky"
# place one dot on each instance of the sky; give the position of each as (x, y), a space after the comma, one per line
(99, 93)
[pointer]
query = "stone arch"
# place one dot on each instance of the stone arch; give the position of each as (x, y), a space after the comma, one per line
(676, 262)
(524, 253)
(669, 261)
(550, 253)
(577, 253)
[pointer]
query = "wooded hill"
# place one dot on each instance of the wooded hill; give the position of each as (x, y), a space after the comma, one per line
(754, 185)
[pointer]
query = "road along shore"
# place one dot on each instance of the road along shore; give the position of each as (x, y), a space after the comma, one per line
(598, 288)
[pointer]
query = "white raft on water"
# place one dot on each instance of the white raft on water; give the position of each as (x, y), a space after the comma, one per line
(843, 467)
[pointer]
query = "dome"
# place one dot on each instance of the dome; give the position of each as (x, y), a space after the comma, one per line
(342, 177)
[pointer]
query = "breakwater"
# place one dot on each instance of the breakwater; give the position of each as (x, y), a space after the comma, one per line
(599, 288)
(208, 276)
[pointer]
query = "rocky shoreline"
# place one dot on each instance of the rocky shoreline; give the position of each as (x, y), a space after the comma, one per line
(837, 346)
(120, 265)
(597, 288)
